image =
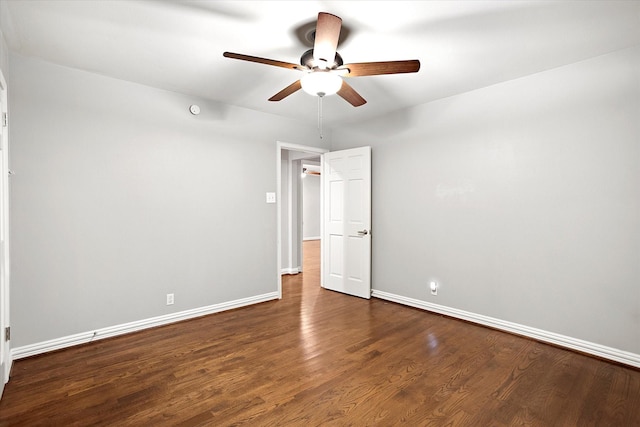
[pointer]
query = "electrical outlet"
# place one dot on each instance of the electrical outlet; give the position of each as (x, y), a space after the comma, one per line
(434, 288)
(169, 299)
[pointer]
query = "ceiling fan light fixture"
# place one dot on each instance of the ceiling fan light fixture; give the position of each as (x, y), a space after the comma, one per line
(321, 83)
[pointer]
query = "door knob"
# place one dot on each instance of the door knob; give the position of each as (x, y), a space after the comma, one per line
(363, 232)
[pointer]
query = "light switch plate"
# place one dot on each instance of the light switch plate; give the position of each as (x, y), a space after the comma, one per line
(271, 197)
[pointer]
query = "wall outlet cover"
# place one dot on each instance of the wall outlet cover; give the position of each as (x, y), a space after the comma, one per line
(271, 197)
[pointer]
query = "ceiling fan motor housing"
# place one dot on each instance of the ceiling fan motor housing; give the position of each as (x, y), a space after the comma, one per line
(307, 60)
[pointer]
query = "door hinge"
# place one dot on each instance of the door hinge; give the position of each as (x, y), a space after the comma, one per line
(4, 120)
(7, 333)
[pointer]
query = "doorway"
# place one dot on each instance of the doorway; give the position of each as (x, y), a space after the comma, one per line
(290, 213)
(311, 213)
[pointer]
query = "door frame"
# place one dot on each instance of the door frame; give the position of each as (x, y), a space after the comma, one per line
(280, 147)
(5, 345)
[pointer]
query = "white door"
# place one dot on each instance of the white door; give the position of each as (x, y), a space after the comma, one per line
(346, 244)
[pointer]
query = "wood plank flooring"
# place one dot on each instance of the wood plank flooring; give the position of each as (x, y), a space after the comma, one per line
(320, 358)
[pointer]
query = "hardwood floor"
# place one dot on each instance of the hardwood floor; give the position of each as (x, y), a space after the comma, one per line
(320, 358)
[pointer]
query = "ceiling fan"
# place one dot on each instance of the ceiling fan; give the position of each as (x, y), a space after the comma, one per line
(323, 67)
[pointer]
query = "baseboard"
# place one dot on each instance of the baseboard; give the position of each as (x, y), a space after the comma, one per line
(85, 337)
(294, 270)
(311, 238)
(598, 350)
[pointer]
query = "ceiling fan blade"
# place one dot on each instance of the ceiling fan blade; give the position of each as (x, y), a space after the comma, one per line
(263, 61)
(385, 67)
(293, 87)
(350, 95)
(326, 38)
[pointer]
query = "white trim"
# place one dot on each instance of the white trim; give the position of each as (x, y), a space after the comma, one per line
(311, 238)
(125, 328)
(3, 380)
(294, 270)
(594, 349)
(5, 281)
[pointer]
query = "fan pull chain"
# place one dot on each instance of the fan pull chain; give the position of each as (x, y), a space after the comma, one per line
(320, 115)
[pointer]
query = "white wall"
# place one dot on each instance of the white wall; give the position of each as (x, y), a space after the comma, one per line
(4, 56)
(521, 199)
(4, 50)
(121, 196)
(311, 207)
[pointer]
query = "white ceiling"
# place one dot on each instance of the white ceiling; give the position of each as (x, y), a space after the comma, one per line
(178, 45)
